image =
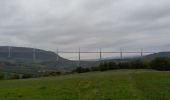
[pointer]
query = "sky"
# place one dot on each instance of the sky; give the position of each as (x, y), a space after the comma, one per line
(88, 24)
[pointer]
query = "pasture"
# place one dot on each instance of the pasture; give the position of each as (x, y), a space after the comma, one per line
(109, 85)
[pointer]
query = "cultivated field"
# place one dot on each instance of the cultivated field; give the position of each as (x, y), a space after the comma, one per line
(110, 85)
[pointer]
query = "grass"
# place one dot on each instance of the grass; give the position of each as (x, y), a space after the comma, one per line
(110, 85)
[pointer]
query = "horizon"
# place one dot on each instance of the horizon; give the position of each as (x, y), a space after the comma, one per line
(95, 55)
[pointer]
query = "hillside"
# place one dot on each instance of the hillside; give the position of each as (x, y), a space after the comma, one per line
(146, 57)
(27, 54)
(31, 61)
(111, 85)
(159, 54)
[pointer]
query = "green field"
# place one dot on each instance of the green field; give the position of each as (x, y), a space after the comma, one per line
(110, 85)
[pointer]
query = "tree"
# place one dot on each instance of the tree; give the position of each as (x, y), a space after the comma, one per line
(27, 76)
(103, 66)
(112, 65)
(15, 76)
(82, 70)
(161, 63)
(139, 64)
(124, 65)
(1, 76)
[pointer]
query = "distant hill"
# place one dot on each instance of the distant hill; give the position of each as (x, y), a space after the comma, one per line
(27, 54)
(147, 57)
(159, 54)
(31, 60)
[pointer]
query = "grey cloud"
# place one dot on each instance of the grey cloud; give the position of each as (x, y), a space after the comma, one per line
(89, 24)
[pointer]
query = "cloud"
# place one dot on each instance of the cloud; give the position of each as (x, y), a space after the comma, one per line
(89, 24)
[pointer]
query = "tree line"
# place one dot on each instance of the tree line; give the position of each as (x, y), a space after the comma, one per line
(160, 63)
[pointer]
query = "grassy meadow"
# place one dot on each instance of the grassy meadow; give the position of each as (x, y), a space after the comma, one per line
(109, 85)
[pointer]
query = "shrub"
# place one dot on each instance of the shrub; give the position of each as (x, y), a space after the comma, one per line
(107, 66)
(27, 76)
(1, 76)
(124, 65)
(94, 69)
(50, 73)
(103, 66)
(15, 76)
(139, 64)
(161, 63)
(81, 70)
(112, 65)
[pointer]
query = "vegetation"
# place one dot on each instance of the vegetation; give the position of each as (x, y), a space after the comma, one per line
(110, 85)
(50, 73)
(15, 76)
(1, 76)
(27, 76)
(81, 70)
(160, 63)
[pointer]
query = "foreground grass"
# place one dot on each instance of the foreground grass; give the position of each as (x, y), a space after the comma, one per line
(111, 85)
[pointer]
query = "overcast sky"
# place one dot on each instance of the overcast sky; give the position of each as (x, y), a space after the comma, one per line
(88, 24)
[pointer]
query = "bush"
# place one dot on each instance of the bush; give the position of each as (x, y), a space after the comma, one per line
(94, 69)
(51, 73)
(1, 76)
(27, 76)
(112, 65)
(124, 65)
(107, 66)
(103, 66)
(15, 76)
(81, 70)
(161, 63)
(7, 63)
(139, 64)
